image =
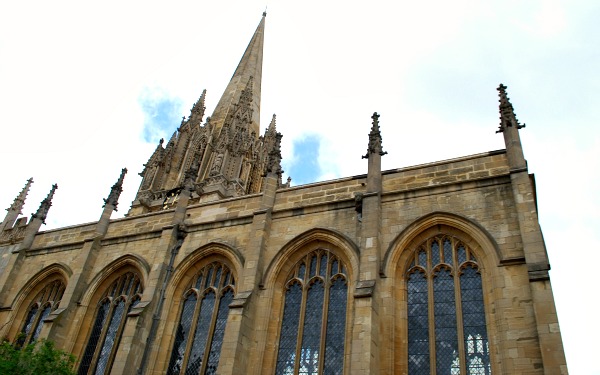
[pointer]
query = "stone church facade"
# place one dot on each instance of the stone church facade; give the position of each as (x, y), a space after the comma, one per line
(221, 267)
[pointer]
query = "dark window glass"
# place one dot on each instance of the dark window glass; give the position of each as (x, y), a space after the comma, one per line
(447, 251)
(288, 339)
(217, 342)
(181, 336)
(111, 315)
(303, 349)
(203, 322)
(447, 312)
(435, 253)
(446, 340)
(49, 297)
(476, 341)
(336, 328)
(418, 326)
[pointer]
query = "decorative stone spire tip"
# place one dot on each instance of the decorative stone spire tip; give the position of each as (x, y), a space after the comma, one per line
(115, 191)
(508, 117)
(45, 205)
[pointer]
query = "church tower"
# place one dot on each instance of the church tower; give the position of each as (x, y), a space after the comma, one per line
(224, 154)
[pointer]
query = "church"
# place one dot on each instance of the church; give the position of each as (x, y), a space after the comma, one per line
(221, 267)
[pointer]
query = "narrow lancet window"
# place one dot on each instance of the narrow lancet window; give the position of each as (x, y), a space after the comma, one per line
(446, 315)
(201, 325)
(312, 336)
(43, 304)
(109, 322)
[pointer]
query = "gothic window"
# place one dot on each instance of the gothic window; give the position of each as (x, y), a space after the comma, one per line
(202, 321)
(313, 327)
(43, 304)
(446, 320)
(111, 313)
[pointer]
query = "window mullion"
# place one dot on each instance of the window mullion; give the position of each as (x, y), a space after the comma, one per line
(190, 341)
(211, 331)
(327, 286)
(301, 323)
(459, 314)
(117, 339)
(430, 311)
(101, 338)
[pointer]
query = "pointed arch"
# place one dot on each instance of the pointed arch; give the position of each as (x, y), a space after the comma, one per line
(111, 295)
(31, 293)
(199, 294)
(476, 236)
(310, 281)
(311, 239)
(111, 271)
(442, 269)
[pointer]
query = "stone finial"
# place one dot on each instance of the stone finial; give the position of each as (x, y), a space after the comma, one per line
(115, 191)
(42, 211)
(272, 128)
(375, 138)
(19, 202)
(274, 158)
(197, 112)
(507, 112)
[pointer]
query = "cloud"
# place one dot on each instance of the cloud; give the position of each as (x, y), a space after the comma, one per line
(161, 113)
(303, 167)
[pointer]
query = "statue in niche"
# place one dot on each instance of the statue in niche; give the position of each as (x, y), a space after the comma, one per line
(216, 168)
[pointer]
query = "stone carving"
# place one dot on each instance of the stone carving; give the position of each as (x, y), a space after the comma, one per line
(115, 191)
(42, 211)
(19, 201)
(508, 116)
(374, 138)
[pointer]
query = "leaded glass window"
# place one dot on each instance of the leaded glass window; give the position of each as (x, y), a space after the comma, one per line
(202, 321)
(111, 314)
(311, 340)
(447, 333)
(43, 304)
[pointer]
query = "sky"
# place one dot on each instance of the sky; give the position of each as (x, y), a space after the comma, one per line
(87, 88)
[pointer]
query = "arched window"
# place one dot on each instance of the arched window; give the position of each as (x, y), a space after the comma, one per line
(111, 312)
(446, 319)
(313, 327)
(43, 304)
(202, 321)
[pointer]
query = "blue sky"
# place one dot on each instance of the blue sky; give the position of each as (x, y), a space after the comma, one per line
(86, 90)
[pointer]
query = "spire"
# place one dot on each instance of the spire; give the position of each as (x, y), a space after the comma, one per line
(19, 201)
(507, 112)
(509, 127)
(374, 138)
(250, 66)
(115, 191)
(197, 112)
(42, 211)
(272, 126)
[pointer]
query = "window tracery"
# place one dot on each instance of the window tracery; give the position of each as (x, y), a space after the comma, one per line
(447, 333)
(202, 321)
(46, 301)
(313, 326)
(111, 312)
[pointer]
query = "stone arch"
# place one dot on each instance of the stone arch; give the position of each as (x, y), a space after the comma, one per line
(183, 275)
(474, 235)
(24, 298)
(290, 253)
(278, 271)
(112, 271)
(397, 259)
(215, 248)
